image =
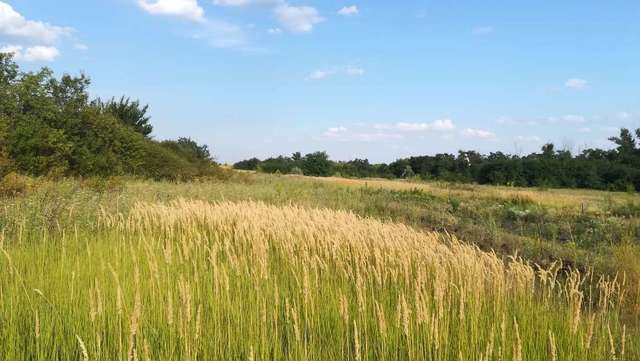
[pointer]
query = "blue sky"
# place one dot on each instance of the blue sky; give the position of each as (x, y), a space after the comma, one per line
(368, 79)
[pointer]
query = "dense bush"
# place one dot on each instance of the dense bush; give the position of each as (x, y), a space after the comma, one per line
(49, 127)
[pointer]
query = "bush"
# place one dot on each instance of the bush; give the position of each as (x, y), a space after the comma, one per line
(103, 185)
(297, 171)
(13, 185)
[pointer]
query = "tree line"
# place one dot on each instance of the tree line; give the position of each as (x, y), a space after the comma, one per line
(617, 169)
(51, 127)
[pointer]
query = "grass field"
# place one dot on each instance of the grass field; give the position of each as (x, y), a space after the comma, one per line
(265, 267)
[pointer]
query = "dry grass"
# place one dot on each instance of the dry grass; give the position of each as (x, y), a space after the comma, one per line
(193, 280)
(558, 198)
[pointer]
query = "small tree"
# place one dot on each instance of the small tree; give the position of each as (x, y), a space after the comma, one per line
(317, 164)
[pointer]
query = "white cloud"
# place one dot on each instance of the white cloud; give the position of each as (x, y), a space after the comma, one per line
(439, 125)
(349, 11)
(584, 130)
(187, 9)
(577, 84)
(80, 46)
(298, 19)
(274, 31)
(14, 25)
(238, 3)
(33, 53)
(482, 30)
(478, 133)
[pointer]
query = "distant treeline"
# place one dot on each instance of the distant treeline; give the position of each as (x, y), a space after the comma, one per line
(617, 169)
(50, 126)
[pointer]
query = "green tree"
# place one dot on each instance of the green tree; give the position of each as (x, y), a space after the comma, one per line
(626, 145)
(317, 164)
(131, 113)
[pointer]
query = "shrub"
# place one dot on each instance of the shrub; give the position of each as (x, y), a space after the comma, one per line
(13, 185)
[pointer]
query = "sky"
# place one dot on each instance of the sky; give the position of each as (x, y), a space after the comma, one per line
(359, 79)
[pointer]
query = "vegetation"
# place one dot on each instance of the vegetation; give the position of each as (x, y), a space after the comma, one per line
(172, 271)
(104, 256)
(617, 169)
(49, 127)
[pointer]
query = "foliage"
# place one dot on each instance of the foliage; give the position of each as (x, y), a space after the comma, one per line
(317, 164)
(249, 164)
(617, 169)
(129, 112)
(49, 127)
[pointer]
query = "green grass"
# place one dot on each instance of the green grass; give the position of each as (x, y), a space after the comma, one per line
(68, 255)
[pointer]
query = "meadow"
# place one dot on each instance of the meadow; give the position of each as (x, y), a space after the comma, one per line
(261, 267)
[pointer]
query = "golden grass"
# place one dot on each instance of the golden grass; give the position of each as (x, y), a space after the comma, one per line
(193, 280)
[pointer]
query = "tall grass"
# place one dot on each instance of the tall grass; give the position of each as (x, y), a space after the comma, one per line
(194, 280)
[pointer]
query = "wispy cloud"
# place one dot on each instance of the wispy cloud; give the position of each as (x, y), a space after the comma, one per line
(349, 11)
(438, 125)
(218, 33)
(322, 74)
(386, 131)
(221, 34)
(343, 134)
(577, 84)
(482, 30)
(295, 19)
(478, 133)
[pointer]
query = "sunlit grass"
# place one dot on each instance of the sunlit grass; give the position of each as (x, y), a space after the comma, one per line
(193, 280)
